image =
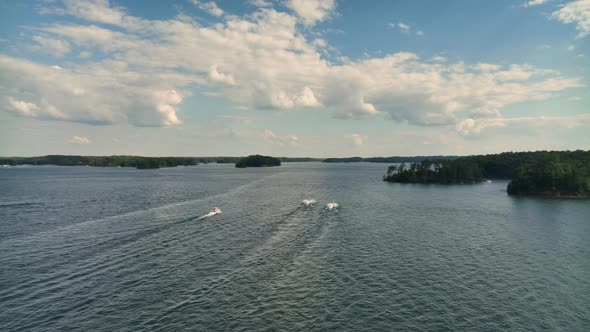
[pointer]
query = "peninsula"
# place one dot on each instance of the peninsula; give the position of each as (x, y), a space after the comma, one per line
(546, 173)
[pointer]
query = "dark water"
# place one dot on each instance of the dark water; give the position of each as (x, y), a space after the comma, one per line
(93, 249)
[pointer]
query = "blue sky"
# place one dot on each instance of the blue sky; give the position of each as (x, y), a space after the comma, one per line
(293, 77)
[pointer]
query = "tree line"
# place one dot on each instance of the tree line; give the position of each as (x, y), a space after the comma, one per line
(258, 161)
(387, 159)
(102, 161)
(129, 161)
(533, 173)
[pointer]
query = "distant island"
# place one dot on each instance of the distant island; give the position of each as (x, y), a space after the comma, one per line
(395, 159)
(102, 161)
(130, 161)
(546, 173)
(258, 161)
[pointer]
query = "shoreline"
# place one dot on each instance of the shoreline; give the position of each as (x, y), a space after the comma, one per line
(552, 194)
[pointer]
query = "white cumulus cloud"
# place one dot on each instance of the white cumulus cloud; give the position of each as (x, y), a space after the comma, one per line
(208, 6)
(532, 3)
(96, 93)
(403, 27)
(216, 76)
(575, 12)
(260, 3)
(312, 11)
(261, 60)
(51, 46)
(28, 109)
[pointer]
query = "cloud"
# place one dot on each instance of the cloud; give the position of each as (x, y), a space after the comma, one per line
(358, 139)
(312, 11)
(280, 140)
(478, 127)
(575, 12)
(96, 93)
(403, 27)
(438, 58)
(261, 60)
(260, 3)
(32, 110)
(23, 107)
(216, 76)
(533, 3)
(208, 6)
(95, 10)
(51, 46)
(80, 140)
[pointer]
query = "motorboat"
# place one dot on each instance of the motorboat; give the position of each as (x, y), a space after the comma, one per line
(215, 211)
(332, 205)
(308, 202)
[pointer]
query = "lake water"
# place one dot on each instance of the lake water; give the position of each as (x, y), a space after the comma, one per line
(112, 249)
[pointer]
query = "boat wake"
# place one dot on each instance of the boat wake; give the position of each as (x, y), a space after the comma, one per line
(332, 206)
(213, 212)
(308, 202)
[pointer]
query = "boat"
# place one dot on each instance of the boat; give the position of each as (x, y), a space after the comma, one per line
(308, 202)
(215, 211)
(332, 205)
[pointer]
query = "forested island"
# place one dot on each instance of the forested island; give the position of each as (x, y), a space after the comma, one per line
(258, 161)
(395, 159)
(102, 161)
(130, 161)
(233, 160)
(547, 173)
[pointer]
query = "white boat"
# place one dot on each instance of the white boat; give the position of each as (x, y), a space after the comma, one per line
(308, 202)
(214, 211)
(332, 205)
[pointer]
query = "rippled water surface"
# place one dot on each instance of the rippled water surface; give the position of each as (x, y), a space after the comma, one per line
(94, 249)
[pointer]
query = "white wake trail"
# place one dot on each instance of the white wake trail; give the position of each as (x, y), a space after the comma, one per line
(213, 212)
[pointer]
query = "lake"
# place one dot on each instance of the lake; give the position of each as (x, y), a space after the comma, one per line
(114, 249)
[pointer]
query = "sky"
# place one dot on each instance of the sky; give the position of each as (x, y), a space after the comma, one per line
(315, 78)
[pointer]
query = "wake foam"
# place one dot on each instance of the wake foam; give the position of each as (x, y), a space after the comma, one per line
(308, 202)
